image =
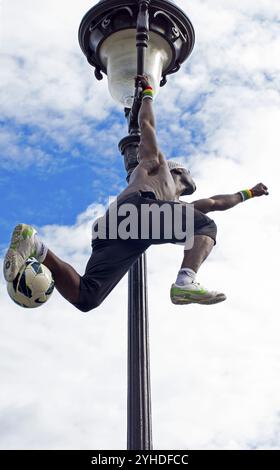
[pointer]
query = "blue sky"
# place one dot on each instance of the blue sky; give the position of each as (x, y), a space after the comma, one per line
(61, 184)
(59, 161)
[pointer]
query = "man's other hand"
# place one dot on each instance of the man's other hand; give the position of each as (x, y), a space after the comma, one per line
(259, 190)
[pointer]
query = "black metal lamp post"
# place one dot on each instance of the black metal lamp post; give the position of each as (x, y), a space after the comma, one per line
(123, 38)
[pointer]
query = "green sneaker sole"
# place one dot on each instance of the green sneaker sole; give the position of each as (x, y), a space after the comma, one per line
(13, 260)
(184, 297)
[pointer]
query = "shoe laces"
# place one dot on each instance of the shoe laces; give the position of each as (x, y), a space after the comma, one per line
(197, 284)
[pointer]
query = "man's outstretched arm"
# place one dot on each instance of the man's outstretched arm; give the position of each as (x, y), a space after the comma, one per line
(227, 201)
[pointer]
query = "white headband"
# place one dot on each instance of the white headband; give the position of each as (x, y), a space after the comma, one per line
(173, 165)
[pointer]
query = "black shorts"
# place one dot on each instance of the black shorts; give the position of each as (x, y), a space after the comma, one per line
(112, 258)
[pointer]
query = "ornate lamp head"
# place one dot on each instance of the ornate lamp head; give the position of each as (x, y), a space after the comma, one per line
(118, 55)
(107, 37)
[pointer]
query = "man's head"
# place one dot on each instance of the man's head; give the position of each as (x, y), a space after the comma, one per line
(184, 183)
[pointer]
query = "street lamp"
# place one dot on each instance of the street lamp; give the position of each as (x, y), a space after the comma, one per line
(124, 38)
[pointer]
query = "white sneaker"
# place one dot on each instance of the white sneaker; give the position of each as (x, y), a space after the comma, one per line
(194, 293)
(21, 248)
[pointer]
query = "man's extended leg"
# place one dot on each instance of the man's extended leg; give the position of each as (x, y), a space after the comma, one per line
(108, 263)
(25, 244)
(67, 280)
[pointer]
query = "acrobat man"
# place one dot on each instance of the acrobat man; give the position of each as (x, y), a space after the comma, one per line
(154, 183)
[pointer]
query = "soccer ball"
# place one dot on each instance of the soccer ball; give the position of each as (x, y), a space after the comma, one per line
(32, 286)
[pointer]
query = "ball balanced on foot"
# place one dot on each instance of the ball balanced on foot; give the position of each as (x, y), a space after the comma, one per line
(29, 283)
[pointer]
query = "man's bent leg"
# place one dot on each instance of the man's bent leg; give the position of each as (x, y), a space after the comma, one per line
(201, 249)
(204, 238)
(186, 289)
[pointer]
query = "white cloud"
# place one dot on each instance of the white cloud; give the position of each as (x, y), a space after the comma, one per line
(214, 369)
(17, 149)
(45, 79)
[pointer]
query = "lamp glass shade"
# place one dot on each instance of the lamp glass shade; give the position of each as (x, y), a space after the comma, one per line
(118, 54)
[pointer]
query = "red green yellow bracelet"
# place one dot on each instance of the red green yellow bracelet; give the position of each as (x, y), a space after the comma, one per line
(246, 194)
(148, 92)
